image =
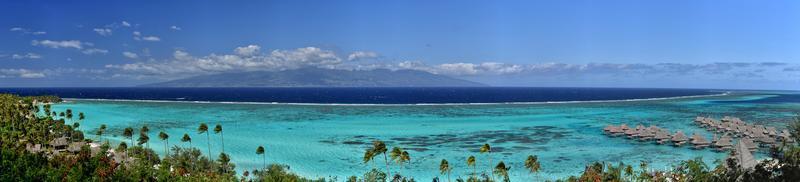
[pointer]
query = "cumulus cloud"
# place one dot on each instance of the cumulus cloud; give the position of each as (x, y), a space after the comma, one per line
(26, 56)
(173, 27)
(249, 50)
(130, 55)
(59, 44)
(103, 31)
(94, 51)
(126, 24)
(246, 58)
(252, 58)
(138, 36)
(20, 73)
(361, 55)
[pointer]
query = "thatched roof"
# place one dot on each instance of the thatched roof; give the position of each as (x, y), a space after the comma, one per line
(59, 142)
(699, 140)
(724, 141)
(679, 136)
(660, 135)
(624, 127)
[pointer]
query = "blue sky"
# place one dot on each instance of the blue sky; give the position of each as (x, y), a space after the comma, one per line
(677, 44)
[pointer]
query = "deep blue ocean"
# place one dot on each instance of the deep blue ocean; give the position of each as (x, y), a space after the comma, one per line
(434, 95)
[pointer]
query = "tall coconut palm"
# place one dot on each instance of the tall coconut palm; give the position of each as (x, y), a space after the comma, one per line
(486, 148)
(203, 128)
(471, 162)
(164, 137)
(260, 151)
(379, 147)
(400, 156)
(444, 168)
(128, 133)
(69, 115)
(143, 139)
(218, 130)
(144, 131)
(369, 154)
(501, 170)
(532, 164)
(100, 131)
(186, 138)
(81, 116)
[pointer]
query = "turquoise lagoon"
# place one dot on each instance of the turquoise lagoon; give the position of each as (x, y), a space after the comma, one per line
(329, 140)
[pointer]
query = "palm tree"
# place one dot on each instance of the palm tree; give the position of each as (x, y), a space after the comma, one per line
(143, 139)
(444, 168)
(400, 156)
(100, 131)
(69, 114)
(81, 116)
(369, 154)
(122, 146)
(488, 150)
(502, 170)
(629, 171)
(218, 130)
(186, 138)
(164, 137)
(471, 162)
(532, 163)
(380, 147)
(143, 131)
(204, 129)
(260, 151)
(128, 133)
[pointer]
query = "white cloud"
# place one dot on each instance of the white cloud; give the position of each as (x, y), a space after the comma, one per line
(138, 36)
(130, 55)
(26, 56)
(26, 31)
(361, 55)
(173, 27)
(103, 31)
(60, 44)
(151, 38)
(249, 50)
(94, 51)
(21, 73)
(126, 24)
(245, 59)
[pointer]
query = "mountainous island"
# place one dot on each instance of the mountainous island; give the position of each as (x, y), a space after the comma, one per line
(319, 77)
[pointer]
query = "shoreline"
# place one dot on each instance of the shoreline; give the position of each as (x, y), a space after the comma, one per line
(414, 104)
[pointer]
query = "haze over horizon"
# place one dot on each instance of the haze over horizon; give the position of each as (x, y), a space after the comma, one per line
(619, 43)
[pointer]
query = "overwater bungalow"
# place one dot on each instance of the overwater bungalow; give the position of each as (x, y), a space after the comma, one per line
(679, 138)
(647, 133)
(699, 142)
(631, 133)
(724, 143)
(624, 127)
(771, 131)
(662, 136)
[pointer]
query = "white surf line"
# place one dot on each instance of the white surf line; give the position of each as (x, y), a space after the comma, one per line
(415, 104)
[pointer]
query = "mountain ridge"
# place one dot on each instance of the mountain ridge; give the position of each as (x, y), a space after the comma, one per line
(319, 77)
